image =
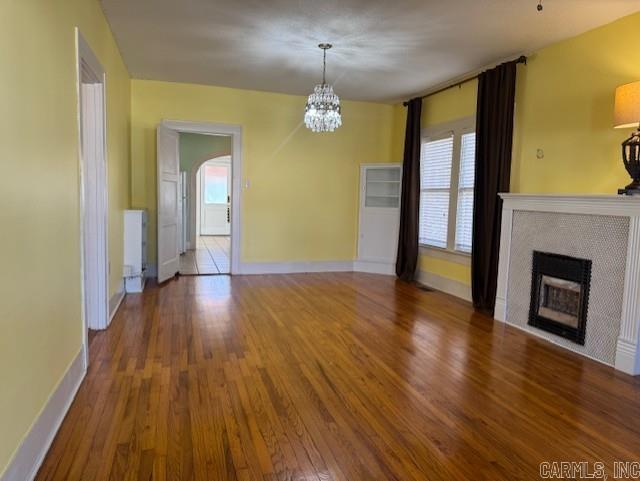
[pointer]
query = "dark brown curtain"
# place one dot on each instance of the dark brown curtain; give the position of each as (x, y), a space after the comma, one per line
(494, 139)
(407, 259)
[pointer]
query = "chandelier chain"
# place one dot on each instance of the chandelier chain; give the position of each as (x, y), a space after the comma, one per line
(324, 66)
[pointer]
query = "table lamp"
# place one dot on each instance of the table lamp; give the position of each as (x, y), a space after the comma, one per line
(627, 115)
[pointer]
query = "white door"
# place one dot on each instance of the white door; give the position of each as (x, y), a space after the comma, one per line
(94, 206)
(168, 203)
(215, 197)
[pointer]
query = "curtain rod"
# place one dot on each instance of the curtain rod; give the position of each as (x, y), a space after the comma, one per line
(521, 59)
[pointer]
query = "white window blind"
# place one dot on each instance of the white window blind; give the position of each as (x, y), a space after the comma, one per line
(435, 183)
(464, 217)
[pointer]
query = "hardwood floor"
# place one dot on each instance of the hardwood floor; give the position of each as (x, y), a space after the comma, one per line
(331, 377)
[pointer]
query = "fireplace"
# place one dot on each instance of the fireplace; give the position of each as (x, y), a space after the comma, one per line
(560, 295)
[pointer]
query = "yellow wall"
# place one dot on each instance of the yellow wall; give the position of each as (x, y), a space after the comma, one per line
(303, 194)
(40, 310)
(564, 105)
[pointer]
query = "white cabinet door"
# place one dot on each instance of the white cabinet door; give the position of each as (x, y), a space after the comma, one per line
(215, 195)
(168, 203)
(379, 220)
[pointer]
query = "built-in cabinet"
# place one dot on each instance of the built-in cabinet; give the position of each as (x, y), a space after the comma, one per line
(379, 218)
(135, 250)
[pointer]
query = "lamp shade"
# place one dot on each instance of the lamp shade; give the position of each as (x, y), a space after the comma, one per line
(627, 109)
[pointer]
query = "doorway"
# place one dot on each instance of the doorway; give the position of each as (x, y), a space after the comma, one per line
(199, 167)
(212, 198)
(93, 190)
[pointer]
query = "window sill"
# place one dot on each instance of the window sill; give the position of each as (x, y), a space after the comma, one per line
(445, 254)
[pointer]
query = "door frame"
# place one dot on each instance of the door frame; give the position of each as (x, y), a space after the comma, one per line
(88, 64)
(235, 131)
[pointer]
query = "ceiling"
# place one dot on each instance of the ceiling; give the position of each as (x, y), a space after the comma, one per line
(384, 50)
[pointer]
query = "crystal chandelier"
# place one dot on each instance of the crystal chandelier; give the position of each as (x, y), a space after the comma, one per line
(322, 113)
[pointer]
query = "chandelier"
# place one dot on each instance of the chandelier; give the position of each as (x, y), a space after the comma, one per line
(322, 112)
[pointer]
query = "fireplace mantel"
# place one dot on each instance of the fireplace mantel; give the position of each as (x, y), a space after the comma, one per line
(627, 355)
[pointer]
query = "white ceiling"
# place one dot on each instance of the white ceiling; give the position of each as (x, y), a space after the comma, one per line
(384, 50)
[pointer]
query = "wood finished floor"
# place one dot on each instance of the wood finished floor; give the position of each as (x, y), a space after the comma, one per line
(331, 377)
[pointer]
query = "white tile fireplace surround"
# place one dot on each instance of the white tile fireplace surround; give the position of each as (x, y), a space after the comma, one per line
(601, 228)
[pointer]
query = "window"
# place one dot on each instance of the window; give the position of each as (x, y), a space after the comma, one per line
(215, 184)
(466, 176)
(447, 171)
(435, 183)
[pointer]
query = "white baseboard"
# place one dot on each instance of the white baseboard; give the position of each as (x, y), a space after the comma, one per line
(627, 359)
(116, 300)
(251, 268)
(29, 456)
(374, 267)
(439, 283)
(500, 310)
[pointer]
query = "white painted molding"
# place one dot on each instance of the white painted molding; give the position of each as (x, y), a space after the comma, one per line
(628, 346)
(627, 355)
(29, 456)
(252, 268)
(116, 300)
(374, 267)
(614, 205)
(444, 284)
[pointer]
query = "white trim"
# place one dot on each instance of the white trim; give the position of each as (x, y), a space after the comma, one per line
(374, 267)
(444, 284)
(615, 205)
(116, 300)
(84, 52)
(628, 345)
(236, 174)
(34, 446)
(252, 268)
(86, 57)
(627, 359)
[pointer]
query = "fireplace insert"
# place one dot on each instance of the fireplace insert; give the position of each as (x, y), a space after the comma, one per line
(560, 295)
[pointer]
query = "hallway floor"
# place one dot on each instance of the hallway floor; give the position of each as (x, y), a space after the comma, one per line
(211, 256)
